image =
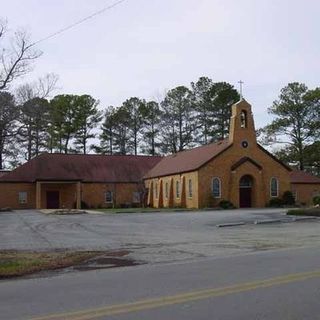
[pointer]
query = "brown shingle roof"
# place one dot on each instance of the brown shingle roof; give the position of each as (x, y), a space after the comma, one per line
(3, 172)
(87, 168)
(189, 160)
(298, 176)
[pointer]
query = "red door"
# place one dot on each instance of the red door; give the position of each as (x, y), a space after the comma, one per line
(53, 200)
(245, 197)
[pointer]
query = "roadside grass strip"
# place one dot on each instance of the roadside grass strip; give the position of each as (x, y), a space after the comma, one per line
(180, 298)
(17, 263)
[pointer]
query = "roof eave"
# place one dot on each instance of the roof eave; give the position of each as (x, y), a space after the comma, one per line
(274, 158)
(191, 170)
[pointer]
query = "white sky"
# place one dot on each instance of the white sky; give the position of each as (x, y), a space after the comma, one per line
(143, 47)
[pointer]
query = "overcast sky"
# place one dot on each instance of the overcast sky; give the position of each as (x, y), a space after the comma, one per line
(144, 47)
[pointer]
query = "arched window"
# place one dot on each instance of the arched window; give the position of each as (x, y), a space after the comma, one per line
(216, 188)
(177, 189)
(190, 188)
(245, 182)
(274, 187)
(243, 119)
(156, 189)
(166, 191)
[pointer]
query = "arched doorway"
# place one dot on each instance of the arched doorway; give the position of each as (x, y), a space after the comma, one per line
(245, 191)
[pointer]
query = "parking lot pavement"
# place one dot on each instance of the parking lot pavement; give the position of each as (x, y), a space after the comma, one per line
(156, 237)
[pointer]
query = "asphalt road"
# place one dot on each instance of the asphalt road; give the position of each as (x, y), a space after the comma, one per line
(282, 284)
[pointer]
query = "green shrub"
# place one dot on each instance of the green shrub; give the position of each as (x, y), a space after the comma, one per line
(288, 198)
(275, 203)
(316, 200)
(305, 212)
(225, 204)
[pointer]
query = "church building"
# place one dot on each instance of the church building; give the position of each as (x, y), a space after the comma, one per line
(236, 169)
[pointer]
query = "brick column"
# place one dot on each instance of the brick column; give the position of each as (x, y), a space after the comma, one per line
(38, 195)
(78, 195)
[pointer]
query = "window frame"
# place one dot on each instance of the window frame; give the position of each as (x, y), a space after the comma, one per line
(295, 194)
(111, 196)
(190, 188)
(23, 197)
(277, 186)
(166, 190)
(156, 193)
(136, 195)
(178, 189)
(212, 188)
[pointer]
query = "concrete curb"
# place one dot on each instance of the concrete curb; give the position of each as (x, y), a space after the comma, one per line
(297, 219)
(232, 224)
(267, 221)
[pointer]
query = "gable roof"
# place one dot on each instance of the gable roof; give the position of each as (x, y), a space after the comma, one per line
(86, 168)
(189, 160)
(273, 157)
(298, 176)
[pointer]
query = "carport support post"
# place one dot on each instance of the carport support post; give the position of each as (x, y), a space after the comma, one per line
(38, 195)
(78, 204)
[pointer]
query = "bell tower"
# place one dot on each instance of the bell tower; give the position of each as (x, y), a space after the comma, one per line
(242, 124)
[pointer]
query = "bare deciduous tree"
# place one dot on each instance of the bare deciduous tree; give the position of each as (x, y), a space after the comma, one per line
(16, 55)
(42, 88)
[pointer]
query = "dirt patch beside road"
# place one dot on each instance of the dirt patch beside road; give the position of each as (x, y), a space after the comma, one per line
(20, 263)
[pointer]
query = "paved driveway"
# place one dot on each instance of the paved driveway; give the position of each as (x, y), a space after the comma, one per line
(156, 237)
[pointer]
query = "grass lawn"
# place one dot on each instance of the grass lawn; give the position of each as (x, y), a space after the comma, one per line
(305, 212)
(17, 263)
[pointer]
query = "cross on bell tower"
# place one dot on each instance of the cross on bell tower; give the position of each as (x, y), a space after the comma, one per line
(241, 85)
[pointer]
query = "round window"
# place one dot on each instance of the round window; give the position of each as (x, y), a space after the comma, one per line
(244, 144)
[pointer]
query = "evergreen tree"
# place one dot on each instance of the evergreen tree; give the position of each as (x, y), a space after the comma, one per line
(122, 135)
(86, 119)
(133, 107)
(213, 103)
(34, 119)
(221, 96)
(151, 115)
(295, 123)
(203, 104)
(179, 120)
(107, 134)
(63, 115)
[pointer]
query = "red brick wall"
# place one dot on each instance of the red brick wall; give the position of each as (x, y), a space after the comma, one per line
(305, 192)
(93, 194)
(9, 195)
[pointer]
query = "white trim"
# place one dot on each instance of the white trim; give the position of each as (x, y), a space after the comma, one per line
(217, 197)
(276, 196)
